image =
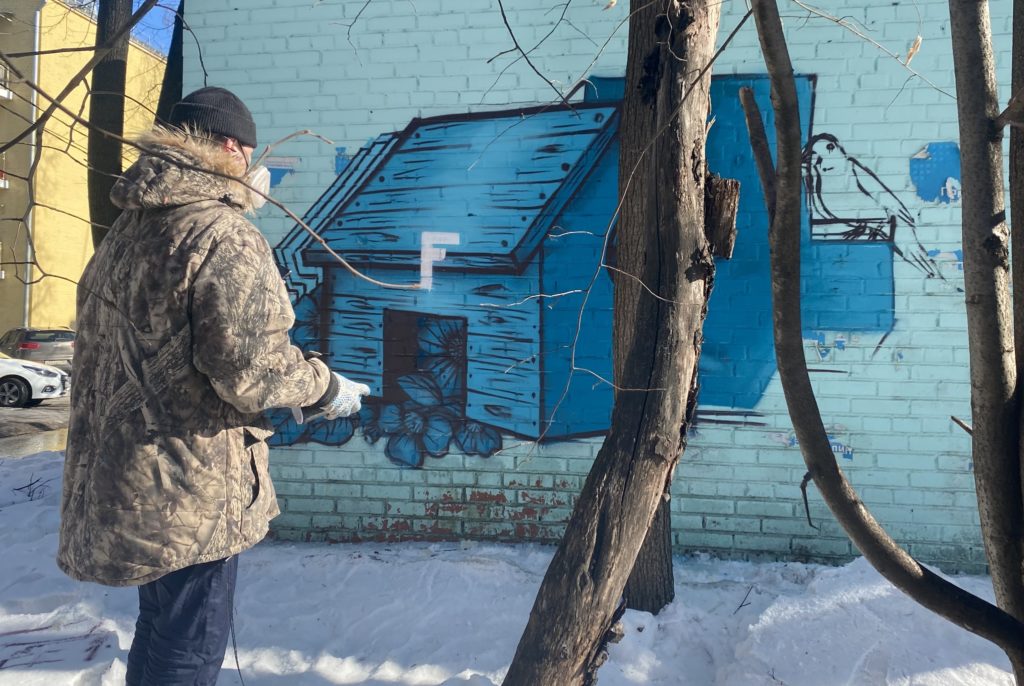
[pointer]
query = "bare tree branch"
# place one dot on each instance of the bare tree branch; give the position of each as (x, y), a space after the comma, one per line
(100, 53)
(902, 570)
(759, 144)
(1013, 115)
(995, 394)
(240, 180)
(180, 16)
(526, 56)
(846, 24)
(963, 425)
(53, 51)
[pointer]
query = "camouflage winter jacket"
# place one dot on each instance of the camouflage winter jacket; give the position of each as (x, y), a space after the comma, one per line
(182, 342)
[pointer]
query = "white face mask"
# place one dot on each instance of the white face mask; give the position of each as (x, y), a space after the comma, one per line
(259, 178)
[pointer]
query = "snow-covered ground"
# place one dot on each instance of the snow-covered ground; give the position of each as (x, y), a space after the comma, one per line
(451, 614)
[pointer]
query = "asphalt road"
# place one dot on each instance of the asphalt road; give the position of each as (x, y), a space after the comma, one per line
(48, 416)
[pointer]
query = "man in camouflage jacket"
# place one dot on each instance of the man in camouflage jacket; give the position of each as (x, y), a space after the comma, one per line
(182, 343)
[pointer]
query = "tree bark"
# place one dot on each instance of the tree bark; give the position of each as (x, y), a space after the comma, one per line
(106, 111)
(1017, 231)
(652, 585)
(994, 403)
(721, 205)
(927, 588)
(562, 643)
(170, 90)
(761, 149)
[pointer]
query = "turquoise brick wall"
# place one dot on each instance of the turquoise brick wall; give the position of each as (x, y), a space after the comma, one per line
(886, 396)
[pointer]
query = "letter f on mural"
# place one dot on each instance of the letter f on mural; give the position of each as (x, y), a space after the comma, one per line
(430, 253)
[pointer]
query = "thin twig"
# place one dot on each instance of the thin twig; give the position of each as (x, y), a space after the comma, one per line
(54, 51)
(526, 56)
(304, 132)
(807, 506)
(1014, 112)
(744, 603)
(963, 425)
(843, 22)
(349, 26)
(98, 56)
(535, 296)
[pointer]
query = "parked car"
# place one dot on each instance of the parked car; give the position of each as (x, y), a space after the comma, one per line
(55, 347)
(25, 384)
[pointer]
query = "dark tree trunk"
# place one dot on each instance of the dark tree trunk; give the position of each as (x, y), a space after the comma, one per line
(651, 584)
(670, 42)
(106, 113)
(1017, 188)
(994, 408)
(170, 91)
(1017, 237)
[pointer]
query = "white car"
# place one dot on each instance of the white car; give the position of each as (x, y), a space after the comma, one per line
(25, 384)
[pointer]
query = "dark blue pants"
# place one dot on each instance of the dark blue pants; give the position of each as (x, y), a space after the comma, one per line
(183, 627)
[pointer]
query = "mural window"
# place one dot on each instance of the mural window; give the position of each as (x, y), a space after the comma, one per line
(424, 355)
(423, 411)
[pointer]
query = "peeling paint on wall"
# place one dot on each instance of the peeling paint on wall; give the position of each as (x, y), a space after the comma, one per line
(953, 258)
(935, 172)
(280, 167)
(824, 347)
(839, 448)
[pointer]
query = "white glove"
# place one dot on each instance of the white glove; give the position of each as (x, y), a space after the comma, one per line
(349, 399)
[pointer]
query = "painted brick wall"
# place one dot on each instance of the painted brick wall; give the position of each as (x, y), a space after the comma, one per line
(888, 376)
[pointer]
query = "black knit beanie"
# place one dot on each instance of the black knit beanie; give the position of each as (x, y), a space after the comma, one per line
(217, 111)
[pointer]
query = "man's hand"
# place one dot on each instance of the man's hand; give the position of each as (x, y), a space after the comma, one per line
(348, 400)
(342, 399)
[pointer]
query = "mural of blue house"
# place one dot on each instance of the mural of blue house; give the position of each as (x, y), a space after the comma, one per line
(476, 210)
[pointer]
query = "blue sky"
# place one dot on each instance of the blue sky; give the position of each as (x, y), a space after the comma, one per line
(156, 27)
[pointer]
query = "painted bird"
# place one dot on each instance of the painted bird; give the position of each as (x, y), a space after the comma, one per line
(849, 202)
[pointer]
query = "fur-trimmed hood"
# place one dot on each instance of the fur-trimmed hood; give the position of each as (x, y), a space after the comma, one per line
(163, 175)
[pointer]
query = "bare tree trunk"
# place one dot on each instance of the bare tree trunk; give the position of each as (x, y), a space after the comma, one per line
(106, 111)
(1017, 189)
(1017, 230)
(994, 404)
(927, 588)
(170, 90)
(651, 585)
(576, 604)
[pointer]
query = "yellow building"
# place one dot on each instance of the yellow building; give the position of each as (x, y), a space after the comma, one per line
(55, 234)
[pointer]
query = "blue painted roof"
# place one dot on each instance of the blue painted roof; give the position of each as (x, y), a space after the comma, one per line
(301, 277)
(498, 179)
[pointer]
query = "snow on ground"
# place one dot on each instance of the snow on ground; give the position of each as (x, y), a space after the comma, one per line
(382, 615)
